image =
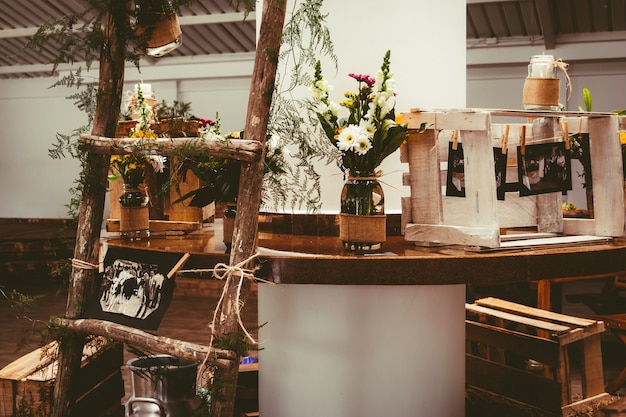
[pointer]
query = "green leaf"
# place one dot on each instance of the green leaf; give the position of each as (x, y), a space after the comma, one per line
(587, 99)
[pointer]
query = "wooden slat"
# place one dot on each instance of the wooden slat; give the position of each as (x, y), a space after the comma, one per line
(513, 383)
(543, 325)
(593, 373)
(426, 205)
(525, 345)
(159, 226)
(450, 234)
(478, 161)
(533, 312)
(606, 163)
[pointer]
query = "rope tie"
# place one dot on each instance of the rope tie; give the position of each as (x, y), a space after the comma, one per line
(78, 263)
(228, 273)
(563, 67)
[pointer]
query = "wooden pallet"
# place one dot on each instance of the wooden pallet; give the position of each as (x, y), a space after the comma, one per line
(429, 217)
(522, 354)
(27, 382)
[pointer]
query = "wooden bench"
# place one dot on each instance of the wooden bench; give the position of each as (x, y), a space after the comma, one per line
(521, 355)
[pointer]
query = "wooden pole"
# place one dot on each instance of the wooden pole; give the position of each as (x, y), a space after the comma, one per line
(250, 184)
(92, 204)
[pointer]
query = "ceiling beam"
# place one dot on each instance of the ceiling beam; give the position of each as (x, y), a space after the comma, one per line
(546, 20)
(570, 51)
(183, 20)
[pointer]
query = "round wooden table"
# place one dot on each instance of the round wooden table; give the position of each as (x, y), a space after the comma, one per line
(374, 334)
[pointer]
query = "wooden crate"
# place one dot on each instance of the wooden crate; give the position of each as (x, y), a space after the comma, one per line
(429, 217)
(503, 340)
(27, 382)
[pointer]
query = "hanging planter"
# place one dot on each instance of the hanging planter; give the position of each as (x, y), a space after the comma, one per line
(158, 27)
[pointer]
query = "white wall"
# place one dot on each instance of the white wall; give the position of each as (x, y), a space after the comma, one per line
(428, 75)
(428, 63)
(33, 185)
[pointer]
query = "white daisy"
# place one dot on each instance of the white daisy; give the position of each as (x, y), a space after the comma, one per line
(349, 136)
(362, 146)
(368, 127)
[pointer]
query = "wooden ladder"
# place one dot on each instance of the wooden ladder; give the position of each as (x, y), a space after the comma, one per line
(99, 149)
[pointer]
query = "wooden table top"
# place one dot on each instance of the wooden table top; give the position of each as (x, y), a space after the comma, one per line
(293, 255)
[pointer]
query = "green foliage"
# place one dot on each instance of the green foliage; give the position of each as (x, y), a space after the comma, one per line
(85, 98)
(587, 99)
(305, 38)
(177, 109)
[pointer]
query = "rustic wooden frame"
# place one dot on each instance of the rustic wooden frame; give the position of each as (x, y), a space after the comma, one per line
(431, 218)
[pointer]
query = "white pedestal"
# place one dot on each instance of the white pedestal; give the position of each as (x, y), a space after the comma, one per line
(367, 351)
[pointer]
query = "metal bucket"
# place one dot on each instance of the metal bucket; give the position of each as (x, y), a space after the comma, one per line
(162, 386)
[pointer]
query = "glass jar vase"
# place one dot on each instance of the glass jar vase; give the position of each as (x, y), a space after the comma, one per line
(542, 86)
(362, 220)
(134, 212)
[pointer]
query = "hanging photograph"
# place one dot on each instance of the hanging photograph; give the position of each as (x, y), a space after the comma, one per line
(543, 168)
(134, 288)
(455, 185)
(499, 161)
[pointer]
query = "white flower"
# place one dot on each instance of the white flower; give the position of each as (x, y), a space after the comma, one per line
(333, 108)
(157, 162)
(368, 127)
(362, 145)
(390, 85)
(350, 136)
(385, 102)
(380, 77)
(320, 89)
(274, 142)
(329, 110)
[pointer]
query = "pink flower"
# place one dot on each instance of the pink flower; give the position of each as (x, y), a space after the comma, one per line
(363, 78)
(206, 122)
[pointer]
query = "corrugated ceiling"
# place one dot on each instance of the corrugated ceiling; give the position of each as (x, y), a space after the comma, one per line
(217, 27)
(209, 28)
(544, 22)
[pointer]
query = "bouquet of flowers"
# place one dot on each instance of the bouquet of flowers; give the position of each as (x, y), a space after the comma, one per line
(371, 131)
(220, 176)
(130, 167)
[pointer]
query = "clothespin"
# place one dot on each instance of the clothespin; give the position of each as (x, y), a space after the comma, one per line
(505, 138)
(522, 139)
(565, 134)
(455, 139)
(580, 126)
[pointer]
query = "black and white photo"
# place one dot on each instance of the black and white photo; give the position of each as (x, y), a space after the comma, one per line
(544, 168)
(455, 185)
(134, 288)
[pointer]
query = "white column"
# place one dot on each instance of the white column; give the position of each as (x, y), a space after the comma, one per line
(367, 351)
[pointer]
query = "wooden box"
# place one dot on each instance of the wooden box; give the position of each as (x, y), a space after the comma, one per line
(26, 384)
(430, 217)
(523, 355)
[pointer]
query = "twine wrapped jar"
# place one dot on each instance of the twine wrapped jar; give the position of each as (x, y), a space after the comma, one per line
(362, 220)
(542, 86)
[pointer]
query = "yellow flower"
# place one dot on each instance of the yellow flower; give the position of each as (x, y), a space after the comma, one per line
(399, 119)
(339, 129)
(622, 138)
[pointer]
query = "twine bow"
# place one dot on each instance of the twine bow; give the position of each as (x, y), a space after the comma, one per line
(376, 175)
(227, 273)
(563, 67)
